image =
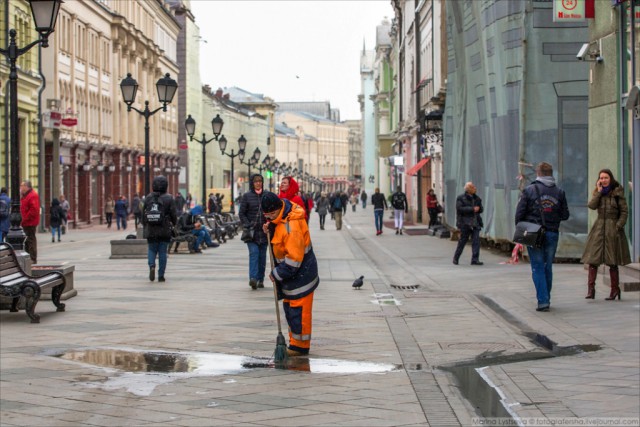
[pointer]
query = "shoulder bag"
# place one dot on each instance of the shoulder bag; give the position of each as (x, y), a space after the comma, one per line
(529, 233)
(247, 232)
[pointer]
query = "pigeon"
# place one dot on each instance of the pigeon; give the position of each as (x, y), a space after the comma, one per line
(357, 284)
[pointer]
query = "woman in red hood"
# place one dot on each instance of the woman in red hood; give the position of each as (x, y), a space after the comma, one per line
(289, 190)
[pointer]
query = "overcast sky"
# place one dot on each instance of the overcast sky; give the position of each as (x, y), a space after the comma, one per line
(289, 50)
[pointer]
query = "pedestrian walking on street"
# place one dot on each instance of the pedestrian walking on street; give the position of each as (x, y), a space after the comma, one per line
(379, 203)
(607, 243)
(30, 211)
(400, 207)
(109, 207)
(432, 207)
(158, 218)
(136, 209)
(543, 197)
(66, 207)
(55, 219)
(338, 207)
(322, 207)
(469, 222)
(5, 213)
(187, 202)
(363, 197)
(353, 200)
(180, 201)
(121, 209)
(295, 274)
(251, 216)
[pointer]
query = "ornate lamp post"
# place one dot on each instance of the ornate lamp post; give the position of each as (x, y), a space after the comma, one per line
(264, 165)
(45, 14)
(242, 144)
(190, 124)
(253, 161)
(167, 88)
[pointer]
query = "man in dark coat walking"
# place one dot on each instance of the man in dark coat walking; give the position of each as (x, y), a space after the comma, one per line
(158, 235)
(469, 222)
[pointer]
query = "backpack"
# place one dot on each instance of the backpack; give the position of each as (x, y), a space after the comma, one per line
(4, 209)
(55, 214)
(154, 210)
(397, 201)
(337, 203)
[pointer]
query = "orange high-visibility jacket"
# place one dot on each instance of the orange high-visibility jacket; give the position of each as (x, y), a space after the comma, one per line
(296, 267)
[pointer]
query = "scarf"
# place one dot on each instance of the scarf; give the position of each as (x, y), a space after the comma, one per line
(605, 190)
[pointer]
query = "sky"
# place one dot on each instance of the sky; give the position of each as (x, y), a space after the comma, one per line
(289, 50)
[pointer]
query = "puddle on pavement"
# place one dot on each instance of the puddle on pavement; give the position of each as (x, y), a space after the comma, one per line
(141, 371)
(488, 400)
(385, 299)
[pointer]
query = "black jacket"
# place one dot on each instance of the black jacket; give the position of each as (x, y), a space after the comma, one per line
(399, 201)
(251, 213)
(554, 204)
(466, 217)
(344, 200)
(379, 201)
(161, 232)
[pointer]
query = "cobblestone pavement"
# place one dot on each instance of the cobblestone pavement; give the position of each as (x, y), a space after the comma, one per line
(384, 355)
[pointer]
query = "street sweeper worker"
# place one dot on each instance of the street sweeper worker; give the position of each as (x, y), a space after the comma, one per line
(295, 270)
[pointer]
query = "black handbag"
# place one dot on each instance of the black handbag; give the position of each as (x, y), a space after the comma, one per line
(529, 233)
(247, 235)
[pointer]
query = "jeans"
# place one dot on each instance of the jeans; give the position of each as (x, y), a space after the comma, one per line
(121, 219)
(159, 249)
(465, 233)
(378, 214)
(257, 260)
(55, 230)
(541, 267)
(398, 216)
(433, 216)
(337, 215)
(31, 242)
(202, 235)
(109, 217)
(364, 204)
(322, 218)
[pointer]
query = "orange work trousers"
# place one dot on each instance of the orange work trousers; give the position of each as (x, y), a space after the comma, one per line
(298, 314)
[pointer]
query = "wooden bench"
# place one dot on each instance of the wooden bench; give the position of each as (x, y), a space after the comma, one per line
(15, 283)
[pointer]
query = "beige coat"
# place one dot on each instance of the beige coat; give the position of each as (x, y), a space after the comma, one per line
(607, 243)
(108, 206)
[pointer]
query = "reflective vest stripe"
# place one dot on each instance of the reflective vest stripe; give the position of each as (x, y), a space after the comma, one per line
(302, 289)
(292, 263)
(301, 337)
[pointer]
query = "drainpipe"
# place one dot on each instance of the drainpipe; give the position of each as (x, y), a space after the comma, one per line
(41, 158)
(418, 109)
(635, 152)
(6, 108)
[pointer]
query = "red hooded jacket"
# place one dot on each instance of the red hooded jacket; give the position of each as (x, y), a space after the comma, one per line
(292, 194)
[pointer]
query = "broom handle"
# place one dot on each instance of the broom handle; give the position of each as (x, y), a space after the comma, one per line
(275, 292)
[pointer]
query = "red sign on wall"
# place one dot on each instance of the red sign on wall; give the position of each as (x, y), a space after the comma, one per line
(70, 121)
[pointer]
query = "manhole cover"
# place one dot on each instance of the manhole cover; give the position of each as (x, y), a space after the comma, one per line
(405, 286)
(486, 346)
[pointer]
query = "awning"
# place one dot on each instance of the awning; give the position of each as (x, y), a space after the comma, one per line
(415, 168)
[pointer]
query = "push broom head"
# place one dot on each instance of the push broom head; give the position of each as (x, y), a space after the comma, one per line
(280, 355)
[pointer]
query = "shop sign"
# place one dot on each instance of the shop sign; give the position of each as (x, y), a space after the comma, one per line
(569, 11)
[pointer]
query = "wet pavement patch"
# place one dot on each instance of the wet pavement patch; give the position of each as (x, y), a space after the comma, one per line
(139, 372)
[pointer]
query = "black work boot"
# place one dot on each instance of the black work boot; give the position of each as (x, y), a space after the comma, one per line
(152, 273)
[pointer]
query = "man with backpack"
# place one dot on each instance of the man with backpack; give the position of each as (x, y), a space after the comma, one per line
(400, 207)
(5, 211)
(158, 218)
(338, 205)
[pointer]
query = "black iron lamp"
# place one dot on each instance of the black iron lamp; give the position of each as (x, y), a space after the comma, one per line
(216, 124)
(242, 144)
(166, 88)
(45, 14)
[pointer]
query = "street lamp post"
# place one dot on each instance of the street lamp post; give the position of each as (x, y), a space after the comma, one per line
(216, 124)
(167, 88)
(253, 161)
(45, 14)
(242, 144)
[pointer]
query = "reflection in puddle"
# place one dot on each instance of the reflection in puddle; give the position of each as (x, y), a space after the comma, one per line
(144, 370)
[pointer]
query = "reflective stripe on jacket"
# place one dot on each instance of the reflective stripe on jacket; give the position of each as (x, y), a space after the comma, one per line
(297, 268)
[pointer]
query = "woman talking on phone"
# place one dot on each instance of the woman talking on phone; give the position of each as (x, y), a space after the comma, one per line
(607, 244)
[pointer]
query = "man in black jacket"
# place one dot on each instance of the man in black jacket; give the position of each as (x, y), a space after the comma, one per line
(468, 210)
(379, 203)
(252, 219)
(543, 197)
(158, 217)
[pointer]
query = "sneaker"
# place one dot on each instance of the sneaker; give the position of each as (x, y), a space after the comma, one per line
(477, 263)
(152, 273)
(397, 231)
(53, 240)
(545, 309)
(253, 283)
(455, 261)
(401, 232)
(260, 284)
(161, 279)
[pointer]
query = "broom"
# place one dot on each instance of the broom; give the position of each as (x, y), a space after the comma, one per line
(280, 354)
